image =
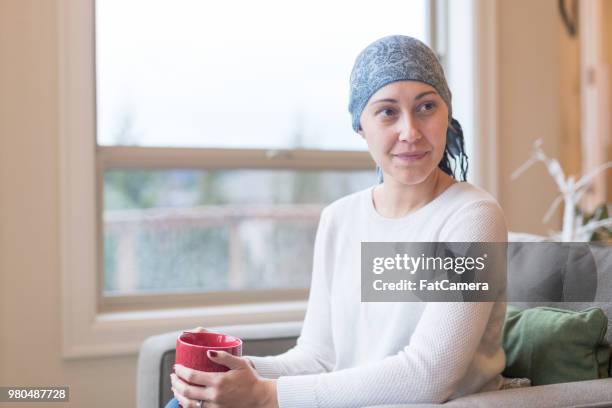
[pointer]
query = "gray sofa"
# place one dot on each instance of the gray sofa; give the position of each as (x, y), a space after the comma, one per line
(553, 287)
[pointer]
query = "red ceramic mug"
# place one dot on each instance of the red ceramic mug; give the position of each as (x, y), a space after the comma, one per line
(192, 349)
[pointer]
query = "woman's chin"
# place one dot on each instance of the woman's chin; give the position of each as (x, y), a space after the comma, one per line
(410, 177)
(411, 181)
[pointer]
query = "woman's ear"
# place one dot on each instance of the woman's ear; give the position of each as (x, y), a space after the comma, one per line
(360, 131)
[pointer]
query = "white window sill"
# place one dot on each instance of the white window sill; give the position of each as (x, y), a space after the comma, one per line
(122, 333)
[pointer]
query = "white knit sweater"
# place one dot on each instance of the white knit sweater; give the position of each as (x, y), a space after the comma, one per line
(354, 354)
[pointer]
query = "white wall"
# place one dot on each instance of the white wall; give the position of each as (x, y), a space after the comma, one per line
(30, 290)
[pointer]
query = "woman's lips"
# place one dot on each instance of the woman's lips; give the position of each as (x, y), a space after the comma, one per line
(411, 157)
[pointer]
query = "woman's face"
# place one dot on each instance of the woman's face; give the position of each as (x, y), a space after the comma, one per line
(404, 124)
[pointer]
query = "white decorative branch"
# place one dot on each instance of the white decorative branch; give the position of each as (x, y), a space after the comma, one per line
(586, 179)
(571, 193)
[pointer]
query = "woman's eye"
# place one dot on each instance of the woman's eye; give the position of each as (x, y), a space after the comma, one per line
(427, 107)
(387, 112)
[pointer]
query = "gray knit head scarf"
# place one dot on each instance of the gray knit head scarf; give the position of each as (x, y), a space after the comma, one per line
(401, 58)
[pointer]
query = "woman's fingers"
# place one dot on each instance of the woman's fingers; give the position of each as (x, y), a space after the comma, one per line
(198, 329)
(228, 360)
(251, 363)
(196, 377)
(192, 392)
(186, 402)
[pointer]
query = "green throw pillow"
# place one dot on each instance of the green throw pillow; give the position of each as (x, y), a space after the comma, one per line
(549, 345)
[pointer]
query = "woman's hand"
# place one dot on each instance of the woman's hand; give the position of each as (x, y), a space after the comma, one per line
(200, 329)
(239, 387)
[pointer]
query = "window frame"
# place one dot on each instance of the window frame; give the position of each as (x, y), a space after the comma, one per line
(141, 157)
(156, 158)
(90, 326)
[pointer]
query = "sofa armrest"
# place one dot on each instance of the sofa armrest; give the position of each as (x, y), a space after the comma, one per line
(157, 355)
(593, 393)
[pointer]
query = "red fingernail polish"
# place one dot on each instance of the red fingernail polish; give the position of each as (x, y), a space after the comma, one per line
(212, 353)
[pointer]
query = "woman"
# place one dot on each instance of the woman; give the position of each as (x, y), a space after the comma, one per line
(353, 354)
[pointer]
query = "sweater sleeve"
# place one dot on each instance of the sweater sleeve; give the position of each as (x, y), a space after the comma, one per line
(314, 352)
(428, 370)
(477, 221)
(441, 349)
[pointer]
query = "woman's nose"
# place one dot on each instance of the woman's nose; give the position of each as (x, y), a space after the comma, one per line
(408, 132)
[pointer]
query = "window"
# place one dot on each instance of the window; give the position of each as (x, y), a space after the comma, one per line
(112, 135)
(222, 131)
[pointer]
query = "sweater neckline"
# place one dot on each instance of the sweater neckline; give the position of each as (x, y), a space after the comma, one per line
(427, 207)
